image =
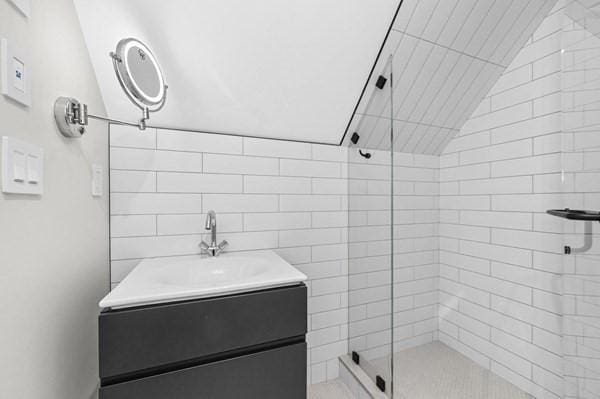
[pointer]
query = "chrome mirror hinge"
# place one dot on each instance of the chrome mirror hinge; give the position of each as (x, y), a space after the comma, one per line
(71, 116)
(115, 56)
(78, 113)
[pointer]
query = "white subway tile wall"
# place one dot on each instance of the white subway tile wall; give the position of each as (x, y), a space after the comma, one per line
(268, 194)
(415, 244)
(477, 263)
(500, 254)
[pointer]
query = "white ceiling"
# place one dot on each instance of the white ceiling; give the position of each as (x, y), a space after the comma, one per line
(271, 68)
(447, 55)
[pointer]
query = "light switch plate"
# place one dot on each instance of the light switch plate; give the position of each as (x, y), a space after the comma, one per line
(97, 180)
(16, 82)
(22, 167)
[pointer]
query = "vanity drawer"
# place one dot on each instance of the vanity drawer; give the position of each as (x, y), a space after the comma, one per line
(149, 338)
(272, 374)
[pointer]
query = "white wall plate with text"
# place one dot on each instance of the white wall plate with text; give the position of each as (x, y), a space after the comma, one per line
(16, 79)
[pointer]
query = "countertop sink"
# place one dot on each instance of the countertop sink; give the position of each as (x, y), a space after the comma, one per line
(171, 280)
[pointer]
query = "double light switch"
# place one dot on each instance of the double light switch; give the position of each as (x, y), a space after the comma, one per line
(22, 167)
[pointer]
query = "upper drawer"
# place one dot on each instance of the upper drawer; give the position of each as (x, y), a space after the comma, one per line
(149, 337)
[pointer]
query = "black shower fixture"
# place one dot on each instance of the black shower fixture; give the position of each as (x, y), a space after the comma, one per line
(381, 82)
(365, 154)
(354, 139)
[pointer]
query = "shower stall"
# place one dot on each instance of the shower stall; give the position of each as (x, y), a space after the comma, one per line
(461, 284)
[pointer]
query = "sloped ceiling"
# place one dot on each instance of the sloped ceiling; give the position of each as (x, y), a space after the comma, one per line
(283, 69)
(447, 54)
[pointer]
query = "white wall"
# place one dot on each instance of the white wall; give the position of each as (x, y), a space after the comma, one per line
(291, 197)
(268, 194)
(53, 248)
(500, 253)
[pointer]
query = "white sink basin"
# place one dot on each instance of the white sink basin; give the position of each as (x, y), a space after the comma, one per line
(165, 280)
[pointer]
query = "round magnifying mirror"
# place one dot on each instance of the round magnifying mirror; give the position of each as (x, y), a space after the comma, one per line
(139, 74)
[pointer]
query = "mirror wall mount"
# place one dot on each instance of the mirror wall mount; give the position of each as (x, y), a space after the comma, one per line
(71, 117)
(139, 76)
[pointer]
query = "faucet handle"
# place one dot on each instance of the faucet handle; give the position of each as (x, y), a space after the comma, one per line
(222, 246)
(204, 246)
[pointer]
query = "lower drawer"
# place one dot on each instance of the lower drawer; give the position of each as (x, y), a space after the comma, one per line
(271, 374)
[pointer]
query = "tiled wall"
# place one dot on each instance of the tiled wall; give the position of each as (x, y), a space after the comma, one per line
(415, 251)
(500, 254)
(581, 145)
(268, 194)
(416, 244)
(477, 261)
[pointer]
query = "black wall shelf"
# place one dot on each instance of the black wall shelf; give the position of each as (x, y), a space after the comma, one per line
(575, 214)
(582, 215)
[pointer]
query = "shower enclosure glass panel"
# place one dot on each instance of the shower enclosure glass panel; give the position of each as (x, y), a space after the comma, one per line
(415, 252)
(460, 283)
(581, 185)
(370, 235)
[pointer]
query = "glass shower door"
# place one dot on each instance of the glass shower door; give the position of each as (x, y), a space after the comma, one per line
(581, 187)
(370, 236)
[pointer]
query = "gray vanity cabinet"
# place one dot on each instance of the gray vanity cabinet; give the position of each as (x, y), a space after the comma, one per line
(248, 345)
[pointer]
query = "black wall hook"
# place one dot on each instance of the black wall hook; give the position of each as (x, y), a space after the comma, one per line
(365, 154)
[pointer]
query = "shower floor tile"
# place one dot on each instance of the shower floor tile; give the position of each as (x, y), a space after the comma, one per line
(435, 371)
(329, 390)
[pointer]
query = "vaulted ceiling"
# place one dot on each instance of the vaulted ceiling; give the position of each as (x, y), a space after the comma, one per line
(283, 69)
(298, 70)
(446, 56)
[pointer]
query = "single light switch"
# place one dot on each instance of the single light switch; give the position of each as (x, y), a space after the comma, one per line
(97, 180)
(22, 167)
(33, 169)
(19, 167)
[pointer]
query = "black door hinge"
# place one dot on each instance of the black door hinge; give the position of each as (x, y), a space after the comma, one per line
(381, 80)
(380, 382)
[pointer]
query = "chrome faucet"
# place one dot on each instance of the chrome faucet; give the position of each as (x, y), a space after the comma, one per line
(213, 249)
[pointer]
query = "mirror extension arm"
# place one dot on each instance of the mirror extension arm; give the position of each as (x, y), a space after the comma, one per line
(72, 117)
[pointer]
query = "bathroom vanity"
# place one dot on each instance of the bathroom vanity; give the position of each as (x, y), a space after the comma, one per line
(247, 343)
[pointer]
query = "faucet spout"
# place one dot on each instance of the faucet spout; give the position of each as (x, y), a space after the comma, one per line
(211, 219)
(211, 224)
(213, 249)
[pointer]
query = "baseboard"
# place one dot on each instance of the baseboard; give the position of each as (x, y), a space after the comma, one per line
(358, 381)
